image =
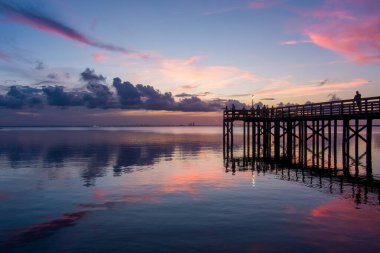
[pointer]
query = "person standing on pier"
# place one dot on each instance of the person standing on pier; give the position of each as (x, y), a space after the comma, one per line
(358, 100)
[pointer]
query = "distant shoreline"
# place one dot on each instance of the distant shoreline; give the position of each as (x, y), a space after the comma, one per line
(94, 127)
(113, 126)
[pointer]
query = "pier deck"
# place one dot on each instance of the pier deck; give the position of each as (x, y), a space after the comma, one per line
(305, 134)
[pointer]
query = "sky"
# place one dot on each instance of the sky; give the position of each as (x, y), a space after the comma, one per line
(176, 62)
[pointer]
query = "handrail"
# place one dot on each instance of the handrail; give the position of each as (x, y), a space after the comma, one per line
(368, 105)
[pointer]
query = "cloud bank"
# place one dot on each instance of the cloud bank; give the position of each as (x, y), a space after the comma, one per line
(97, 94)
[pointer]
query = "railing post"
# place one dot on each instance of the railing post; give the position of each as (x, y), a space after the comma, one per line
(312, 111)
(331, 106)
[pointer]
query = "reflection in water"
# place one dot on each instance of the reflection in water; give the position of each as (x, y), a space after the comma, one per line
(41, 230)
(325, 180)
(96, 152)
(143, 191)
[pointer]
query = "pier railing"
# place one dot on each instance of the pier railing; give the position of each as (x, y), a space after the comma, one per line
(337, 109)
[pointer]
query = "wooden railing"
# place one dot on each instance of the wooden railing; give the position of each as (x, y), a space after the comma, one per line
(369, 106)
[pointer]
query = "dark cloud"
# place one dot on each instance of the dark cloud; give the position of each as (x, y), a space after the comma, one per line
(323, 82)
(52, 76)
(188, 95)
(128, 94)
(29, 17)
(268, 99)
(195, 104)
(89, 75)
(202, 94)
(184, 95)
(45, 82)
(242, 95)
(56, 95)
(21, 96)
(154, 98)
(98, 95)
(39, 65)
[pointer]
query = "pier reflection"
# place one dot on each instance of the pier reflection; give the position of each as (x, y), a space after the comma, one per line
(363, 190)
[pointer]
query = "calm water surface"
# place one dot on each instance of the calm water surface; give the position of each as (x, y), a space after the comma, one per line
(167, 190)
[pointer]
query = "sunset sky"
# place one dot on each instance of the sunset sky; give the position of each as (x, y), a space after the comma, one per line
(205, 53)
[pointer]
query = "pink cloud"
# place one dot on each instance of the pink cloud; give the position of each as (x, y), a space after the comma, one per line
(189, 86)
(349, 28)
(295, 42)
(287, 88)
(99, 58)
(190, 70)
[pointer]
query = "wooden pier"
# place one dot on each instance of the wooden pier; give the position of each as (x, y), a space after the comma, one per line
(307, 134)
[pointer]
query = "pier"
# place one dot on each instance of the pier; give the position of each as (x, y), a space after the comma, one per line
(305, 135)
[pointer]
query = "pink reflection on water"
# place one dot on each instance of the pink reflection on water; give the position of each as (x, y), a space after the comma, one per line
(342, 221)
(43, 230)
(99, 193)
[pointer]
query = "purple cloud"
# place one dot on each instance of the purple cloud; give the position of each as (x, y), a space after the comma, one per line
(47, 24)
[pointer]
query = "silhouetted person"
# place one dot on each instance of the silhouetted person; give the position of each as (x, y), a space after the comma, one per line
(358, 100)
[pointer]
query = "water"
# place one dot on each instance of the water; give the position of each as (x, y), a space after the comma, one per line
(167, 190)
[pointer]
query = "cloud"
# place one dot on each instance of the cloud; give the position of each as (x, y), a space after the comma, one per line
(154, 98)
(21, 96)
(98, 95)
(189, 86)
(52, 76)
(303, 90)
(323, 82)
(241, 95)
(184, 95)
(99, 58)
(191, 71)
(56, 96)
(39, 65)
(349, 28)
(128, 94)
(89, 76)
(47, 24)
(295, 42)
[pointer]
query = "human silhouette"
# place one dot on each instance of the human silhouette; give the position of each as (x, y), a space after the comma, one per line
(358, 100)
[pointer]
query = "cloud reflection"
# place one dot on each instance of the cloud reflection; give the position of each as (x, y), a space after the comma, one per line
(95, 154)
